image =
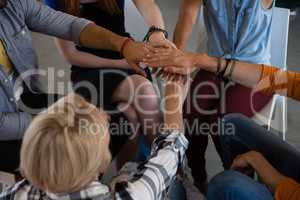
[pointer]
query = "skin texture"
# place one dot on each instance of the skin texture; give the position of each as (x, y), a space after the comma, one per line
(179, 62)
(266, 172)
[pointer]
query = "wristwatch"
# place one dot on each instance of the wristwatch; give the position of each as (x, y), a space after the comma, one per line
(154, 29)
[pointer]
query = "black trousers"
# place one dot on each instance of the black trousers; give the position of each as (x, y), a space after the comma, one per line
(10, 150)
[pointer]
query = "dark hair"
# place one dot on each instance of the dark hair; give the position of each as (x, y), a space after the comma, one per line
(73, 6)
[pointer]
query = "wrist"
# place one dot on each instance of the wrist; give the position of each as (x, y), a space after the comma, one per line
(117, 42)
(205, 62)
(155, 36)
(153, 30)
(173, 106)
(124, 45)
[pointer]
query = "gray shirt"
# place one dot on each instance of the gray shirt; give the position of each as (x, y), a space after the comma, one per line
(17, 19)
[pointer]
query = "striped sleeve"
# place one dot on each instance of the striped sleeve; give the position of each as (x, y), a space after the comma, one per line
(155, 175)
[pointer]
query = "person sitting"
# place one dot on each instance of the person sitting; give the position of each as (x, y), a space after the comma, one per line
(21, 96)
(276, 162)
(118, 87)
(66, 149)
(238, 30)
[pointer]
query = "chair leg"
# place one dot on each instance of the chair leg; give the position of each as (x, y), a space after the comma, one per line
(278, 116)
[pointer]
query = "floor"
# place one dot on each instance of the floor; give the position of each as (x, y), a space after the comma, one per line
(49, 58)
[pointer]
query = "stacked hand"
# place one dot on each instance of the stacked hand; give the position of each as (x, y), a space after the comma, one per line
(135, 52)
(166, 60)
(172, 60)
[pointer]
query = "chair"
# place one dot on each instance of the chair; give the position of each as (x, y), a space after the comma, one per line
(276, 110)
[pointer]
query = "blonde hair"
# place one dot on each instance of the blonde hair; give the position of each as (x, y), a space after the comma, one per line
(58, 155)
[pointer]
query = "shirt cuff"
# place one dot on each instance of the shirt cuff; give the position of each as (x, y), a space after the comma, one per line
(77, 27)
(175, 136)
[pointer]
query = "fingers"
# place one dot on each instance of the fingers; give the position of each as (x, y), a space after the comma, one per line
(161, 44)
(161, 61)
(137, 68)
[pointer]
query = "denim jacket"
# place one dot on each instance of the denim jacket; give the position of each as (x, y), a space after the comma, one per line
(17, 19)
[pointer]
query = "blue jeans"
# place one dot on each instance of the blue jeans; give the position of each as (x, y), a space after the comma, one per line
(250, 136)
(241, 135)
(231, 185)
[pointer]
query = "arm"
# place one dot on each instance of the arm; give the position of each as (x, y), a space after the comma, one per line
(168, 152)
(151, 12)
(187, 18)
(13, 125)
(76, 57)
(288, 189)
(266, 172)
(153, 17)
(267, 3)
(43, 19)
(283, 188)
(285, 83)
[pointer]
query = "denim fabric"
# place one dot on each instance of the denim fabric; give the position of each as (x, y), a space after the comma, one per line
(17, 19)
(250, 136)
(238, 29)
(232, 185)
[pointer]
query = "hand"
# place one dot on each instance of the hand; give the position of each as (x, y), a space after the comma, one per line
(124, 64)
(172, 61)
(266, 172)
(135, 52)
(158, 39)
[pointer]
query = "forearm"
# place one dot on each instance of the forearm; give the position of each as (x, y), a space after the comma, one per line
(96, 37)
(13, 125)
(156, 175)
(173, 107)
(263, 78)
(285, 83)
(151, 12)
(264, 169)
(80, 58)
(288, 189)
(246, 74)
(187, 18)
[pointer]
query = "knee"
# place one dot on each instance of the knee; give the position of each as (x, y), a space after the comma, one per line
(145, 93)
(232, 185)
(129, 112)
(226, 185)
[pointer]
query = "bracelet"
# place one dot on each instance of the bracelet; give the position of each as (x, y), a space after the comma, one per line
(125, 44)
(226, 74)
(233, 64)
(154, 29)
(222, 74)
(219, 66)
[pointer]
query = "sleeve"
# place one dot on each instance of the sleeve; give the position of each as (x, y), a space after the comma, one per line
(156, 174)
(288, 190)
(280, 80)
(43, 19)
(13, 125)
